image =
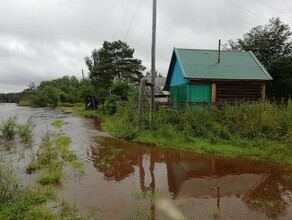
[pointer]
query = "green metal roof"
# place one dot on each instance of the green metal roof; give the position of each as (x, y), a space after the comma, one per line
(234, 65)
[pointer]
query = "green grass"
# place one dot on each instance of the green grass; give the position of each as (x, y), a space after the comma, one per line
(51, 158)
(260, 131)
(21, 202)
(79, 111)
(57, 123)
(50, 176)
(236, 148)
(8, 129)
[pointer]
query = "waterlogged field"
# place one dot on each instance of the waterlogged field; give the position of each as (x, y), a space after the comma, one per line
(99, 177)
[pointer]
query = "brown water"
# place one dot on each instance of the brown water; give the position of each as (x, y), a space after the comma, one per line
(125, 180)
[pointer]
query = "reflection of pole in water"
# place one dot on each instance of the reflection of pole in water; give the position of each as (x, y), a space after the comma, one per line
(217, 188)
(141, 171)
(152, 184)
(151, 169)
(151, 187)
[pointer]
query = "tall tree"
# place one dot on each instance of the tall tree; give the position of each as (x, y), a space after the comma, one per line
(272, 45)
(113, 61)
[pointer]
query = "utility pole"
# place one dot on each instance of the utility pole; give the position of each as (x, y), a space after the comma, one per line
(82, 74)
(153, 70)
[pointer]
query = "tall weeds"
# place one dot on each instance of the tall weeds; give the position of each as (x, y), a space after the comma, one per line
(8, 183)
(8, 129)
(25, 131)
(249, 121)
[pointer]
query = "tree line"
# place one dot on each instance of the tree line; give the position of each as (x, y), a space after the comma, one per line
(113, 75)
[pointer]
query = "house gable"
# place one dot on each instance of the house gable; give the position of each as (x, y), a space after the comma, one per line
(175, 75)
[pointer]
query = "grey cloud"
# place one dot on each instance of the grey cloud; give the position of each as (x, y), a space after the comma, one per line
(45, 39)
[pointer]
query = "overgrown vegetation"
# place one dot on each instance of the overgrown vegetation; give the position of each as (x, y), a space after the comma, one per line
(255, 130)
(65, 90)
(50, 160)
(17, 202)
(10, 128)
(25, 131)
(57, 123)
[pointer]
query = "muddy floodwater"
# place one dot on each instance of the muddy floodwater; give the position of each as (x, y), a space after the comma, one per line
(124, 180)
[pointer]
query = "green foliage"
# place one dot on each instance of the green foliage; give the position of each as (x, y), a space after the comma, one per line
(21, 203)
(113, 61)
(126, 118)
(62, 90)
(281, 86)
(57, 123)
(110, 105)
(48, 96)
(52, 155)
(50, 176)
(8, 129)
(120, 92)
(272, 45)
(8, 183)
(270, 42)
(25, 131)
(10, 97)
(86, 88)
(256, 130)
(27, 97)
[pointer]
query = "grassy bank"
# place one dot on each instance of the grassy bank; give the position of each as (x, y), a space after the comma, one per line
(260, 131)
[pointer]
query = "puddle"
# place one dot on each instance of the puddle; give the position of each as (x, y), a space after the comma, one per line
(125, 180)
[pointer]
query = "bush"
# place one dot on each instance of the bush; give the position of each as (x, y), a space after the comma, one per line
(8, 129)
(8, 183)
(25, 131)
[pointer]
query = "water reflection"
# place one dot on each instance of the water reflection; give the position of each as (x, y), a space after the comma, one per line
(195, 184)
(260, 185)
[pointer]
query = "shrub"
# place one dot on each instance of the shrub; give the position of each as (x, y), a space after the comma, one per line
(8, 183)
(8, 128)
(25, 131)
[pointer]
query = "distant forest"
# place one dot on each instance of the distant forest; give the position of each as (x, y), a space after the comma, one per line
(10, 97)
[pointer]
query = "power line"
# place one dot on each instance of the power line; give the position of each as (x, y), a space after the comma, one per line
(274, 8)
(138, 6)
(247, 10)
(124, 15)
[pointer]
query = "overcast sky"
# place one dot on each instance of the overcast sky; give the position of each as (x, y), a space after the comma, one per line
(47, 39)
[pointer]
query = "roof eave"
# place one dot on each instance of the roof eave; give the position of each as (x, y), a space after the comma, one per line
(260, 65)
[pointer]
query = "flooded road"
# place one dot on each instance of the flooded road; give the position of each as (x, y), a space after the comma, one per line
(125, 180)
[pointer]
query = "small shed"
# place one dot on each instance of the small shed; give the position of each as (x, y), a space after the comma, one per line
(161, 96)
(211, 76)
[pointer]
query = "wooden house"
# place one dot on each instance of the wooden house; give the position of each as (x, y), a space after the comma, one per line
(211, 76)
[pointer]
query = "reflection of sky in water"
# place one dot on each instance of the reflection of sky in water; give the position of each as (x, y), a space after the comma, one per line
(116, 169)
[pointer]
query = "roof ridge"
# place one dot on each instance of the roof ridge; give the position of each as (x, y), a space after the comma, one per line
(212, 50)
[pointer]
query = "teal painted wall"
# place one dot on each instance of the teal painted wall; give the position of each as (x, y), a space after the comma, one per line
(177, 77)
(200, 92)
(179, 93)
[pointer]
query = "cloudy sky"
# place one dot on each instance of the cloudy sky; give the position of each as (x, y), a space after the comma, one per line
(47, 39)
